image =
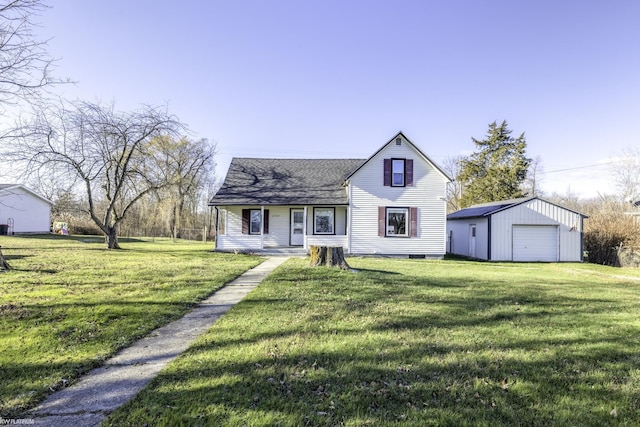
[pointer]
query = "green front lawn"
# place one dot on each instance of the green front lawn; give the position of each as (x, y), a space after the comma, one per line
(413, 342)
(69, 304)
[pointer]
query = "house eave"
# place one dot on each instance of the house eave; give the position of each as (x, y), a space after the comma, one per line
(8, 187)
(415, 147)
(306, 203)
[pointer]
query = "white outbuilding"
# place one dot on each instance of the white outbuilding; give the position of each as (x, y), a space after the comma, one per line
(23, 211)
(528, 229)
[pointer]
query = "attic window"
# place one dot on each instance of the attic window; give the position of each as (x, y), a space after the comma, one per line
(398, 141)
(397, 172)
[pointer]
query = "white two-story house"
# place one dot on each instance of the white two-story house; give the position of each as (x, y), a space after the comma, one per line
(391, 204)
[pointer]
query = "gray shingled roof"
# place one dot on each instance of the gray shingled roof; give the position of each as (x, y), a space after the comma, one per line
(252, 181)
(486, 209)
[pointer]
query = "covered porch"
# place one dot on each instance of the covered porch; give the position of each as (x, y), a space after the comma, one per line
(282, 228)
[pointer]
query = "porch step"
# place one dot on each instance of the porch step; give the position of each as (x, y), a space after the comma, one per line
(286, 251)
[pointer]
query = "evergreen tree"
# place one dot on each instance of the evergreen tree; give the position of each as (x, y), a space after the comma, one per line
(496, 170)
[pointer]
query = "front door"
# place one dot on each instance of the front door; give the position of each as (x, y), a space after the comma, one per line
(297, 227)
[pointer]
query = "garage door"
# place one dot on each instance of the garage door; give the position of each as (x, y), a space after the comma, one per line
(535, 243)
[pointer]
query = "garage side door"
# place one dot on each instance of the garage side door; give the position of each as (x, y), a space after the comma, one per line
(535, 243)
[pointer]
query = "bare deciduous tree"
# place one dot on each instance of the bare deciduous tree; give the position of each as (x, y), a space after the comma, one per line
(451, 166)
(25, 65)
(626, 174)
(532, 183)
(188, 165)
(109, 153)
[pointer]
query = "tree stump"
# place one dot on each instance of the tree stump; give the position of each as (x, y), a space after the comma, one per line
(332, 256)
(4, 265)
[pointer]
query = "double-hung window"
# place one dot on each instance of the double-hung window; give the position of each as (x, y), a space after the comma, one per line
(252, 221)
(255, 221)
(397, 172)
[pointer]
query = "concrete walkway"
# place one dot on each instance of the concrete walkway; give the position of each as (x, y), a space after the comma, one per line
(104, 389)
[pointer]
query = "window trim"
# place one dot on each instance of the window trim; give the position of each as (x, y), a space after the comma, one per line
(387, 175)
(246, 221)
(407, 222)
(413, 221)
(333, 220)
(404, 172)
(251, 223)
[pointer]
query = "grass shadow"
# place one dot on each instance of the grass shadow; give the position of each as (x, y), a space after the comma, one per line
(417, 344)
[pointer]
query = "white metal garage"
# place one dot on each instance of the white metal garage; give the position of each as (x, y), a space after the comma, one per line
(535, 243)
(527, 229)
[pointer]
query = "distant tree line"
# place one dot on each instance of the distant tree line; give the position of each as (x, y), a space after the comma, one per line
(116, 168)
(105, 169)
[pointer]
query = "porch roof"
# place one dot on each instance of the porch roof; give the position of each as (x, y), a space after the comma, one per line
(254, 181)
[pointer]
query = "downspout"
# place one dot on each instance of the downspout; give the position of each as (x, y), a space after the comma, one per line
(304, 229)
(581, 238)
(349, 218)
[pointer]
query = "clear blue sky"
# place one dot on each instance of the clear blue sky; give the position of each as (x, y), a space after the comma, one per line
(340, 78)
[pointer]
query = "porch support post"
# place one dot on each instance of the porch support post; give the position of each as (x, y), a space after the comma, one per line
(304, 229)
(262, 227)
(216, 225)
(348, 230)
(349, 218)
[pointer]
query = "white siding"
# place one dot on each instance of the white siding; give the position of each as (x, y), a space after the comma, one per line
(30, 213)
(279, 228)
(233, 239)
(458, 230)
(427, 194)
(240, 242)
(536, 212)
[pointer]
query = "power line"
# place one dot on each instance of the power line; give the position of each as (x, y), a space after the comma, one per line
(584, 167)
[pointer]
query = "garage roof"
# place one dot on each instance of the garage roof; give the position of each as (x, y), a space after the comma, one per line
(487, 209)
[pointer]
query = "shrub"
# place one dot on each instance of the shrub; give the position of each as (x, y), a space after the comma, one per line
(608, 229)
(78, 224)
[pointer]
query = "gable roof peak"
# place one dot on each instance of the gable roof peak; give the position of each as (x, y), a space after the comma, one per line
(426, 158)
(7, 188)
